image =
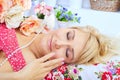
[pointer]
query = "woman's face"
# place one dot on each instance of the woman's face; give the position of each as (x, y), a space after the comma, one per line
(67, 43)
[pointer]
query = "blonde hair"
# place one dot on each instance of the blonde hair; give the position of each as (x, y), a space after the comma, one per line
(99, 48)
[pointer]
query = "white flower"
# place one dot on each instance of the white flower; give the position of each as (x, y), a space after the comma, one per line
(57, 76)
(43, 3)
(14, 17)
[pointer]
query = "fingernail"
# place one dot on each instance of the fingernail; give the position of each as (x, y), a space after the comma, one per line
(62, 59)
(62, 63)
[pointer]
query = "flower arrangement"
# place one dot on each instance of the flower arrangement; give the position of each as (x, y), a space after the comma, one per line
(64, 72)
(63, 14)
(46, 13)
(11, 11)
(42, 10)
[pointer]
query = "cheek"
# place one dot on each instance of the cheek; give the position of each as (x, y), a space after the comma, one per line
(59, 54)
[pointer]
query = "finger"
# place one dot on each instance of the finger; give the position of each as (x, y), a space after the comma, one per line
(53, 62)
(46, 57)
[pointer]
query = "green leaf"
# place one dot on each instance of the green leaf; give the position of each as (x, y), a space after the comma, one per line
(40, 16)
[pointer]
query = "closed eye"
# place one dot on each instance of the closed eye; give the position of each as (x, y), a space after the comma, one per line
(67, 50)
(69, 53)
(68, 35)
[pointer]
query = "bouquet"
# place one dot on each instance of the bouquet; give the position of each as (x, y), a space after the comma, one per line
(46, 13)
(63, 14)
(42, 10)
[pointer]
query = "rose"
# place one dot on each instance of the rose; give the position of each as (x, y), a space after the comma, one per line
(6, 5)
(106, 76)
(14, 17)
(118, 71)
(30, 25)
(26, 4)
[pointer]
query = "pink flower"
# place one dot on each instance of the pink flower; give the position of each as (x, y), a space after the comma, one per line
(42, 8)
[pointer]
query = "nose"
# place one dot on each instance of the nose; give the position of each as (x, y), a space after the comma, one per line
(58, 44)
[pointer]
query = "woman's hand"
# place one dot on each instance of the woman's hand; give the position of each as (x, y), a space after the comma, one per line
(39, 68)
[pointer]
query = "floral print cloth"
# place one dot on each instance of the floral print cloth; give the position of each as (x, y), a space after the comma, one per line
(102, 71)
(8, 44)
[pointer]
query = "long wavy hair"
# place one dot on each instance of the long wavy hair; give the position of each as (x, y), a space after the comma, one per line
(99, 48)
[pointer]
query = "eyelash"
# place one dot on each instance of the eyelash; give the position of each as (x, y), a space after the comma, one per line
(68, 33)
(67, 52)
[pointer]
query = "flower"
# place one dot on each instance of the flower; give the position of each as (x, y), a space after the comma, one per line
(64, 72)
(4, 6)
(106, 76)
(63, 14)
(26, 4)
(30, 25)
(118, 71)
(62, 69)
(57, 76)
(113, 70)
(14, 17)
(42, 10)
(11, 11)
(49, 76)
(73, 71)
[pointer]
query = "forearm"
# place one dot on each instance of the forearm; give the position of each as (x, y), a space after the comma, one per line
(10, 76)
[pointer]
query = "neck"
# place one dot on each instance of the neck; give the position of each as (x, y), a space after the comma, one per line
(35, 48)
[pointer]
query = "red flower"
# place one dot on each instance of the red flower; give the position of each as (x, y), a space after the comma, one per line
(106, 76)
(62, 68)
(67, 79)
(118, 71)
(49, 76)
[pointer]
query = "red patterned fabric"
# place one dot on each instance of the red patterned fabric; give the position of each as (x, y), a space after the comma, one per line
(9, 43)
